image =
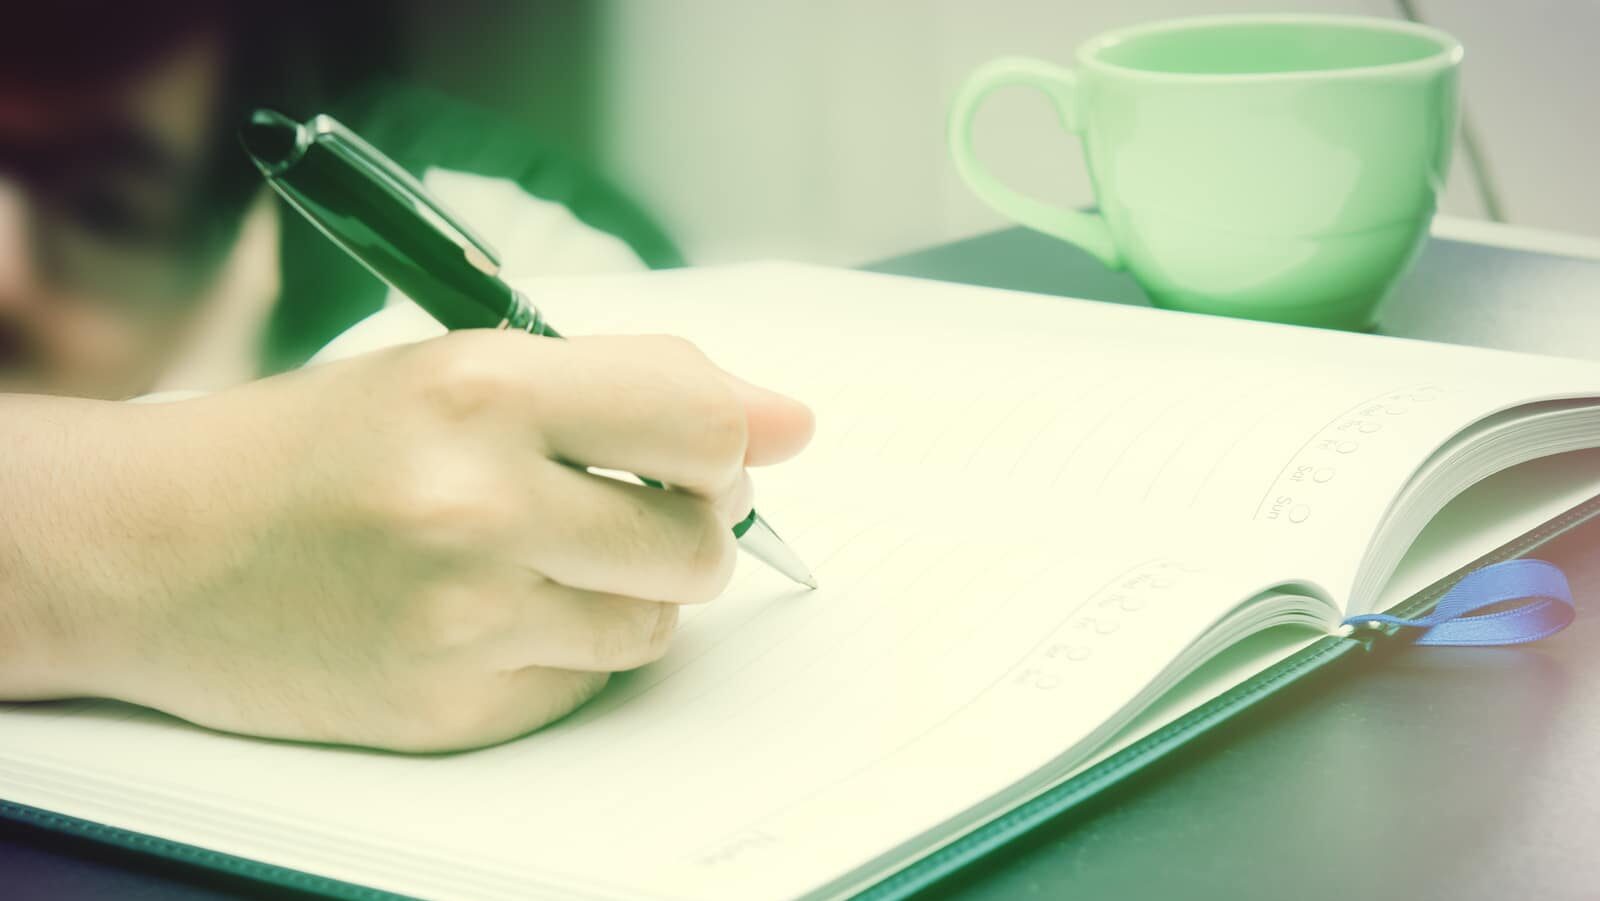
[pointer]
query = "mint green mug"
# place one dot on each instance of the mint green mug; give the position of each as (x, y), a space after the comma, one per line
(1280, 167)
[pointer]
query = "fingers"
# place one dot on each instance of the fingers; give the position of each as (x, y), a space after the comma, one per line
(591, 631)
(510, 705)
(654, 406)
(778, 426)
(538, 696)
(735, 503)
(651, 406)
(599, 534)
(556, 655)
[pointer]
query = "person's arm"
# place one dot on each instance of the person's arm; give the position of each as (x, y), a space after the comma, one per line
(398, 550)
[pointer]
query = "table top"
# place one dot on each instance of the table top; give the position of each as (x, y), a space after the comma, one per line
(1433, 773)
(1447, 773)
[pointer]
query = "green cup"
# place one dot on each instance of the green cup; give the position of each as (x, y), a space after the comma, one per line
(1278, 167)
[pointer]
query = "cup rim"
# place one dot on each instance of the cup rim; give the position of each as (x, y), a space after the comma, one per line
(1449, 54)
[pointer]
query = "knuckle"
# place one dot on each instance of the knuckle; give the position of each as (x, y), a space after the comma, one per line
(668, 373)
(463, 374)
(713, 557)
(677, 348)
(723, 426)
(735, 503)
(660, 638)
(456, 618)
(708, 402)
(447, 502)
(634, 634)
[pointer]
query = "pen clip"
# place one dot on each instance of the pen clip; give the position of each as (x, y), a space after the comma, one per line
(332, 134)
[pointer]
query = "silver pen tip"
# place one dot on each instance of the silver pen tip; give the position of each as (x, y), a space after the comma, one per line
(761, 542)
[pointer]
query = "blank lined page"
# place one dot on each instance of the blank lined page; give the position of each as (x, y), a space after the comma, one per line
(1020, 510)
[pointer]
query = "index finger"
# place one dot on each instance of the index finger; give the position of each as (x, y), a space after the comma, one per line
(655, 407)
(779, 426)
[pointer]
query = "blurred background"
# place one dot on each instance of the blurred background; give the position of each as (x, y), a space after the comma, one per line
(139, 250)
(815, 130)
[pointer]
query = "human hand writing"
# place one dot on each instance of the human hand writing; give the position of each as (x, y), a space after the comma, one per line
(403, 549)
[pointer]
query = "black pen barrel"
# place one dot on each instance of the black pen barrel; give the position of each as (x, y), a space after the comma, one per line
(380, 225)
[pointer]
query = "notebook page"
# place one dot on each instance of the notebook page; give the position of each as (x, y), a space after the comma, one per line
(932, 670)
(1266, 434)
(1195, 424)
(1485, 517)
(966, 632)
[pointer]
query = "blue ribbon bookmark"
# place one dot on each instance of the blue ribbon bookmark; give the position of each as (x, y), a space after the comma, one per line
(1545, 609)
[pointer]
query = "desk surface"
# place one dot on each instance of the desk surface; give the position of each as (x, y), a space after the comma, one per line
(1441, 773)
(1444, 773)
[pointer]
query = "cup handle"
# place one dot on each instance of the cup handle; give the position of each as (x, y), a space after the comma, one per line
(1086, 230)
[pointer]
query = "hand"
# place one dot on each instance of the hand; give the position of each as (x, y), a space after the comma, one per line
(403, 549)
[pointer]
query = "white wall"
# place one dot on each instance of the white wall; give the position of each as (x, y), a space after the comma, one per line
(816, 129)
(1532, 78)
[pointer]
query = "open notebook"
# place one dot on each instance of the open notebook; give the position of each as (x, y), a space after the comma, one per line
(1030, 518)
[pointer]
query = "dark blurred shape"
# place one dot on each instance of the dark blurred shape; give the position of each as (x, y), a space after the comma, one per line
(130, 206)
(291, 55)
(69, 46)
(539, 65)
(14, 351)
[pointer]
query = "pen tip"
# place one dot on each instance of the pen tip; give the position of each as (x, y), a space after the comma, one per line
(756, 536)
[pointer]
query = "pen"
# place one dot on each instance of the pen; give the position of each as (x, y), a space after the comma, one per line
(367, 204)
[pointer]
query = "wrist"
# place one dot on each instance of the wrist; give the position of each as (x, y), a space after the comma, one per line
(91, 526)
